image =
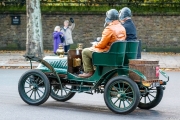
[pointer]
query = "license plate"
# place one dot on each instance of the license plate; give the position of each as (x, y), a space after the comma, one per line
(155, 84)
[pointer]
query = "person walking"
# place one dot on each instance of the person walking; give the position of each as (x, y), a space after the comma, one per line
(67, 31)
(58, 38)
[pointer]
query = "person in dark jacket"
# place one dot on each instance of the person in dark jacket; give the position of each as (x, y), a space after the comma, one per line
(58, 38)
(125, 18)
(131, 33)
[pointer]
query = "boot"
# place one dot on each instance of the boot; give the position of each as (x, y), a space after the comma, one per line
(86, 75)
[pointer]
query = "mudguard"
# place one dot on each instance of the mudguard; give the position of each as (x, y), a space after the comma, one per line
(33, 58)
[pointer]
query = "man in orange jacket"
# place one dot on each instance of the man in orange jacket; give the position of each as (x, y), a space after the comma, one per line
(113, 32)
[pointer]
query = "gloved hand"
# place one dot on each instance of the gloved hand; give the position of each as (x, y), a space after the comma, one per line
(72, 20)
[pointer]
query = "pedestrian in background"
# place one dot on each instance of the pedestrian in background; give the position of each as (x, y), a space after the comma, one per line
(67, 31)
(58, 38)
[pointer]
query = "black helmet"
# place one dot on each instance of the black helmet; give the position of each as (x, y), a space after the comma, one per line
(124, 13)
(111, 15)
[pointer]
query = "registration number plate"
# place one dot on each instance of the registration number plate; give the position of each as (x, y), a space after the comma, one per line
(155, 84)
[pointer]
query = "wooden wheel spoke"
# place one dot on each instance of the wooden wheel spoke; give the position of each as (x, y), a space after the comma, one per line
(41, 91)
(28, 82)
(120, 103)
(128, 102)
(149, 99)
(61, 93)
(57, 92)
(129, 97)
(140, 98)
(38, 94)
(124, 104)
(123, 87)
(40, 82)
(35, 95)
(119, 86)
(151, 95)
(28, 91)
(37, 79)
(65, 91)
(31, 94)
(116, 101)
(115, 88)
(127, 88)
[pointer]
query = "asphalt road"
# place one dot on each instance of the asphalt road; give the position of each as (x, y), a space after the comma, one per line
(81, 106)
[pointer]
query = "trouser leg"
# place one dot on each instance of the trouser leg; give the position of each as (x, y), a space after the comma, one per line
(66, 48)
(87, 60)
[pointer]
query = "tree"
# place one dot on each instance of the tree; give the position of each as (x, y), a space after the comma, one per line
(34, 42)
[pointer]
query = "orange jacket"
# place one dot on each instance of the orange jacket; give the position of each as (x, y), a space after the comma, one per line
(113, 32)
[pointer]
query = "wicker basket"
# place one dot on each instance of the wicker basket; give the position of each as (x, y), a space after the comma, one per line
(146, 67)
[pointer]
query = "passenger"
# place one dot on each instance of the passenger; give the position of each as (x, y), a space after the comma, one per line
(125, 18)
(131, 33)
(113, 32)
(67, 31)
(58, 38)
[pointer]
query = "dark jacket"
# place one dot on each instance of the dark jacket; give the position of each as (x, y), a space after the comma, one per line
(131, 33)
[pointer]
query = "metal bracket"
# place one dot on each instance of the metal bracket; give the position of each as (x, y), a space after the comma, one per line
(165, 75)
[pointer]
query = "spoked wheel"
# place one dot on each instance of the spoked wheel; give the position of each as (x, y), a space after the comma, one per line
(121, 95)
(34, 87)
(151, 97)
(63, 94)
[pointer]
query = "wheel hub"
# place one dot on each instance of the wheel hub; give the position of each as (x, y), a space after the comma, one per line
(121, 94)
(34, 87)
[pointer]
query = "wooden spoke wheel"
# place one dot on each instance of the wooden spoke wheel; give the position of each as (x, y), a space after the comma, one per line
(121, 95)
(62, 94)
(151, 97)
(34, 87)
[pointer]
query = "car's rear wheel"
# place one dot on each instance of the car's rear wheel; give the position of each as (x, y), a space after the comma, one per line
(151, 97)
(62, 94)
(121, 95)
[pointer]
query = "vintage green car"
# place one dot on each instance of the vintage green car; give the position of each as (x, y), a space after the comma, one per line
(124, 87)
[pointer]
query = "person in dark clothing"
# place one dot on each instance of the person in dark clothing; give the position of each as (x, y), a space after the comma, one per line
(125, 18)
(131, 33)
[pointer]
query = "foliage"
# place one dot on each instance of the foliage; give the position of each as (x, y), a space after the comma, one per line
(96, 6)
(147, 10)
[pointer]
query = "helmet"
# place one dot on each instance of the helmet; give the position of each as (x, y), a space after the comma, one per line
(111, 15)
(124, 13)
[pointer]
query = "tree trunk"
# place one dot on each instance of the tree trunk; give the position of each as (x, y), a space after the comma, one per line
(34, 42)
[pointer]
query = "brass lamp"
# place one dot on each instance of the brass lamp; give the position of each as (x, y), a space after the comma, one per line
(60, 51)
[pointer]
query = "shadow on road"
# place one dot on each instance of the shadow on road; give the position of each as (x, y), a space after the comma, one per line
(100, 109)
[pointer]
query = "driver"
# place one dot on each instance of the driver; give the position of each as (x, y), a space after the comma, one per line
(113, 32)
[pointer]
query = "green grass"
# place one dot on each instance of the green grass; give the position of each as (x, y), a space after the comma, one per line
(145, 10)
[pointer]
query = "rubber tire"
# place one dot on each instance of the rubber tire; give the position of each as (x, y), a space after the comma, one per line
(134, 86)
(22, 92)
(68, 97)
(155, 102)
